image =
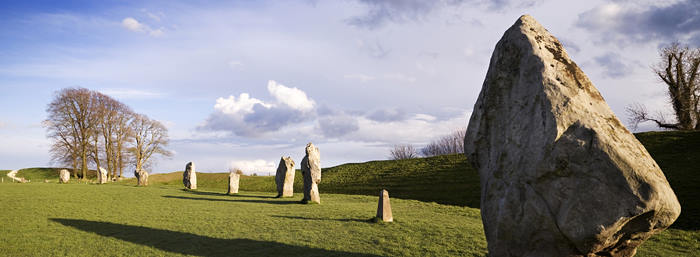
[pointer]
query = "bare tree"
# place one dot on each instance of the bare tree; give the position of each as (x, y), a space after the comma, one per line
(403, 151)
(70, 125)
(678, 69)
(149, 137)
(112, 125)
(448, 144)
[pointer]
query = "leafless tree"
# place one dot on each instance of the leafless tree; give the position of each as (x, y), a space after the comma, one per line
(403, 151)
(678, 69)
(149, 137)
(70, 125)
(113, 127)
(448, 144)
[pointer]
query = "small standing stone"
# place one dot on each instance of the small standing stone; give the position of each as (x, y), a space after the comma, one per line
(102, 176)
(285, 177)
(384, 207)
(234, 178)
(189, 177)
(142, 177)
(311, 170)
(63, 176)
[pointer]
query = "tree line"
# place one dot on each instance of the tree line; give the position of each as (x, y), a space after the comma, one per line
(452, 143)
(89, 129)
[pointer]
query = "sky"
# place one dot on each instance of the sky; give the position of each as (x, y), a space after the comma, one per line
(243, 83)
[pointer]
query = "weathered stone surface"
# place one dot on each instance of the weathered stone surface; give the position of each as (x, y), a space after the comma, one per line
(311, 170)
(189, 177)
(234, 178)
(285, 177)
(141, 177)
(384, 207)
(63, 176)
(560, 175)
(102, 176)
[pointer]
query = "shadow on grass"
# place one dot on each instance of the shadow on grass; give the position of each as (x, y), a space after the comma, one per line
(191, 244)
(223, 194)
(326, 219)
(233, 200)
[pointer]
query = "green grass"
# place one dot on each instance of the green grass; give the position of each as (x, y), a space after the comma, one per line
(678, 155)
(163, 219)
(49, 219)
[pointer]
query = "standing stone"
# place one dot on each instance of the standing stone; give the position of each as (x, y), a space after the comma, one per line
(234, 178)
(189, 177)
(311, 170)
(285, 177)
(142, 177)
(560, 175)
(384, 207)
(63, 176)
(102, 176)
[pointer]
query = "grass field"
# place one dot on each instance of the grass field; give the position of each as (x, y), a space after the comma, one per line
(119, 219)
(48, 219)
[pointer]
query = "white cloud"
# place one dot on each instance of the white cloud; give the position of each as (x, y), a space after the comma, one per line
(136, 26)
(132, 24)
(292, 97)
(252, 117)
(244, 104)
(260, 167)
(156, 32)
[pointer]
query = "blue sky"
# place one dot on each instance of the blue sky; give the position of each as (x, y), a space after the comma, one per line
(246, 82)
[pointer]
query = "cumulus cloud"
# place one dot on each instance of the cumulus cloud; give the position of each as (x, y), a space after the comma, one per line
(136, 26)
(260, 167)
(613, 65)
(251, 117)
(292, 97)
(630, 22)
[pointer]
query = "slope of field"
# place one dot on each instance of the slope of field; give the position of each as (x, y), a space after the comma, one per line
(678, 155)
(41, 174)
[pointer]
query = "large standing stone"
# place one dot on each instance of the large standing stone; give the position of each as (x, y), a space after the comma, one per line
(142, 177)
(285, 177)
(102, 176)
(384, 207)
(63, 176)
(311, 170)
(234, 177)
(560, 175)
(189, 177)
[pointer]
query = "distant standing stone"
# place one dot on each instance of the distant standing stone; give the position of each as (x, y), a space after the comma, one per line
(63, 176)
(311, 170)
(384, 207)
(189, 177)
(142, 177)
(285, 177)
(102, 176)
(234, 177)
